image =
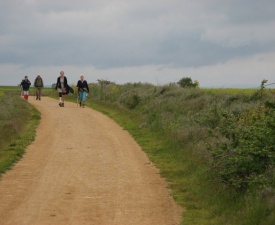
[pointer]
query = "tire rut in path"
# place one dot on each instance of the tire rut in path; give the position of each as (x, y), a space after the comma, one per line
(83, 169)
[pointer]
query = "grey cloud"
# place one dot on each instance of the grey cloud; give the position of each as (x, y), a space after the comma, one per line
(245, 11)
(192, 52)
(108, 34)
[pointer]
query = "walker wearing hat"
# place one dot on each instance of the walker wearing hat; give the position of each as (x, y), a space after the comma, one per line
(25, 85)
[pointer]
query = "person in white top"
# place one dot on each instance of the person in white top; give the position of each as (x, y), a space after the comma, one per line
(61, 86)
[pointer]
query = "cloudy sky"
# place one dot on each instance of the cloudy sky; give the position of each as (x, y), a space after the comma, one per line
(220, 43)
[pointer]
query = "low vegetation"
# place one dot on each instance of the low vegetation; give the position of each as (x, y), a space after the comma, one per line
(215, 147)
(18, 121)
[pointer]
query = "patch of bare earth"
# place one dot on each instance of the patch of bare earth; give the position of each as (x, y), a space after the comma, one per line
(83, 169)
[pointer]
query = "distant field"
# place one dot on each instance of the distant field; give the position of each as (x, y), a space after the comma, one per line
(231, 90)
(45, 91)
(243, 91)
(48, 90)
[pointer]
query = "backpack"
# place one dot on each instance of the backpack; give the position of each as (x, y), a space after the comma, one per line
(26, 84)
(38, 82)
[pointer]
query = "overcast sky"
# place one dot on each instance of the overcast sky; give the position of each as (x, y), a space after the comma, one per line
(220, 43)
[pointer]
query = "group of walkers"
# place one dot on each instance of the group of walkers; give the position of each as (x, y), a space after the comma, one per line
(25, 86)
(63, 89)
(61, 86)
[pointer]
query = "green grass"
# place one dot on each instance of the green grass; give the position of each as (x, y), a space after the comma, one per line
(17, 90)
(18, 122)
(247, 91)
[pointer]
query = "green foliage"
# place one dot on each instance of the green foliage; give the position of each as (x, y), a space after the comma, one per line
(186, 82)
(104, 82)
(10, 123)
(244, 150)
(130, 101)
(18, 121)
(242, 145)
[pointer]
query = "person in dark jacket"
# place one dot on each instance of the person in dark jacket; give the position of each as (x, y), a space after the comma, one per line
(61, 86)
(83, 90)
(25, 86)
(38, 84)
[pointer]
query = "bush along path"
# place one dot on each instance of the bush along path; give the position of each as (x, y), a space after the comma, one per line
(215, 146)
(83, 168)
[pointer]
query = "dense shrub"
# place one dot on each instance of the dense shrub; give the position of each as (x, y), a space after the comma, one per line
(131, 100)
(239, 138)
(244, 149)
(187, 82)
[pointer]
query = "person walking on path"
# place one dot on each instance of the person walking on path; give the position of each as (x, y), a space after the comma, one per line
(38, 84)
(83, 90)
(25, 85)
(61, 86)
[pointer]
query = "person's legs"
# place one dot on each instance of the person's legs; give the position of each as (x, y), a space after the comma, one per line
(63, 97)
(83, 98)
(80, 98)
(39, 93)
(62, 100)
(60, 97)
(36, 93)
(26, 95)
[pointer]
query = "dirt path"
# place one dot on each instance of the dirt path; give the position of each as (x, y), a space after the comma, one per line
(83, 169)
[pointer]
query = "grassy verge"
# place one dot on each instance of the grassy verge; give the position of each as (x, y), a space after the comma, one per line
(18, 122)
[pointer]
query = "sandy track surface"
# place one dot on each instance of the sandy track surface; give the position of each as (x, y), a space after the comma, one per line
(83, 169)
